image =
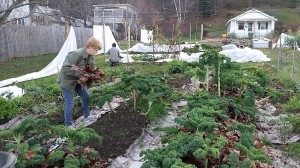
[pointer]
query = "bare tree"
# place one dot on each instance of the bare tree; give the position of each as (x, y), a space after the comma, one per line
(7, 8)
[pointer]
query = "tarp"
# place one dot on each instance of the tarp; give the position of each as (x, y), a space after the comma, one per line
(105, 37)
(53, 67)
(141, 48)
(245, 55)
(146, 36)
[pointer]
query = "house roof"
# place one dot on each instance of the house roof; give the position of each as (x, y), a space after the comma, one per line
(252, 14)
(120, 6)
(56, 14)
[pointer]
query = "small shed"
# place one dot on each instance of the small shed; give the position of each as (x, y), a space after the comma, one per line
(251, 24)
(118, 17)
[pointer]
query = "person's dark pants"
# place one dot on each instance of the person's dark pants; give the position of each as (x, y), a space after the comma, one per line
(114, 63)
(69, 102)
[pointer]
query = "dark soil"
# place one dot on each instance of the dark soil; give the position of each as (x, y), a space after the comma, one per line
(178, 81)
(119, 130)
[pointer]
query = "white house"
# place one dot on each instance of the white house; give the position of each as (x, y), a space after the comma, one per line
(18, 15)
(252, 23)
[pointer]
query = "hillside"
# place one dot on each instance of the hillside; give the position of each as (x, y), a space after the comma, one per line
(288, 18)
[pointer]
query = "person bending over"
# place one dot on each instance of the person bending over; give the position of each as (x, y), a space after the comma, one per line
(69, 75)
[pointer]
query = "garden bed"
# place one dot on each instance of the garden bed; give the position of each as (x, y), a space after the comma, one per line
(179, 81)
(119, 130)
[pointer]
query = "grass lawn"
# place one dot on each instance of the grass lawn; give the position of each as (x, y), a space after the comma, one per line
(23, 65)
(284, 71)
(285, 15)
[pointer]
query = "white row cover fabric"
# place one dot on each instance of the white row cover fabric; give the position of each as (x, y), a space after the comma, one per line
(11, 92)
(229, 47)
(105, 36)
(126, 59)
(190, 58)
(53, 67)
(245, 55)
(283, 38)
(141, 48)
(146, 36)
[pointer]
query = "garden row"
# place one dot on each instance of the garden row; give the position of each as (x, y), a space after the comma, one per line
(216, 129)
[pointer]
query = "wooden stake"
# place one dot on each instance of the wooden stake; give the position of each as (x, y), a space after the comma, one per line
(201, 38)
(190, 35)
(293, 68)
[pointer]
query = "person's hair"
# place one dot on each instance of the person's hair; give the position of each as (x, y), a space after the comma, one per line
(114, 45)
(94, 43)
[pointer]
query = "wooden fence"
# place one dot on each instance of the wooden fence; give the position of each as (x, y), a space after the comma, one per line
(22, 41)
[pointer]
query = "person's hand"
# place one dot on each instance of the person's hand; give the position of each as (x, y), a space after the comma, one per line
(75, 67)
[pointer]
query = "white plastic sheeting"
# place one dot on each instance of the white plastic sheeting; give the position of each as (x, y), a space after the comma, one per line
(11, 92)
(53, 67)
(141, 48)
(245, 55)
(146, 36)
(105, 36)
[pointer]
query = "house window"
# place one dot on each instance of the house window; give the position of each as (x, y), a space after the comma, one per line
(20, 22)
(241, 26)
(263, 25)
(108, 13)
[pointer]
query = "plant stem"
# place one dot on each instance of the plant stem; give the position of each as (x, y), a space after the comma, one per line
(206, 163)
(207, 80)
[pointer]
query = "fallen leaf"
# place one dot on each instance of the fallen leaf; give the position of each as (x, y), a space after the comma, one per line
(29, 155)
